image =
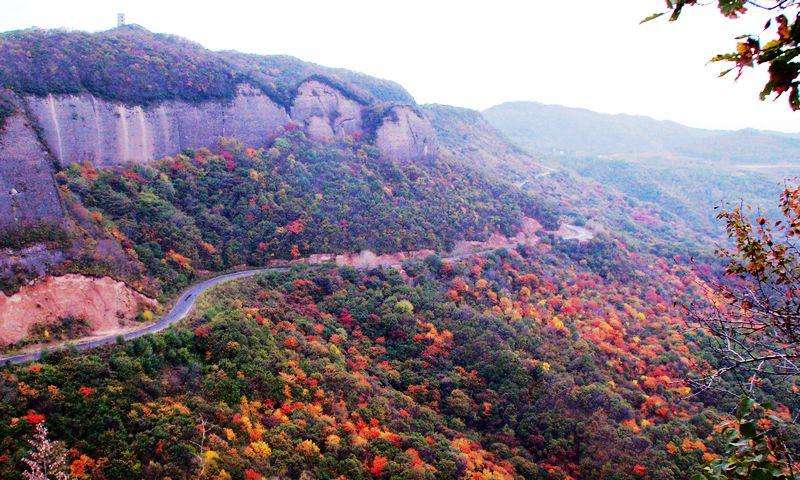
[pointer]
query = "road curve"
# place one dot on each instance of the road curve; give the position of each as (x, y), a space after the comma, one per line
(178, 312)
(188, 297)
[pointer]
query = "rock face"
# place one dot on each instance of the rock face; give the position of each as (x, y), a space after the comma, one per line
(84, 128)
(28, 192)
(325, 112)
(105, 303)
(405, 135)
(79, 128)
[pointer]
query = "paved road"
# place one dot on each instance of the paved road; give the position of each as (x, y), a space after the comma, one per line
(187, 299)
(179, 311)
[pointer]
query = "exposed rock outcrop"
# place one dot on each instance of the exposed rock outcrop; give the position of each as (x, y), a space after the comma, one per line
(325, 112)
(405, 135)
(79, 128)
(28, 194)
(104, 303)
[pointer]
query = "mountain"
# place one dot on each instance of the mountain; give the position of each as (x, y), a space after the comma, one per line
(547, 129)
(437, 302)
(128, 95)
(685, 172)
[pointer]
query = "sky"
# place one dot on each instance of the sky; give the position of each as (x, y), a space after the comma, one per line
(581, 53)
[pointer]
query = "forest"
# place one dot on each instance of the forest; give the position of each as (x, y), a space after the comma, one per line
(552, 361)
(660, 342)
(242, 206)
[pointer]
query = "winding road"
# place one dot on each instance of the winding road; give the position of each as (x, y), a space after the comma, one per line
(178, 312)
(188, 297)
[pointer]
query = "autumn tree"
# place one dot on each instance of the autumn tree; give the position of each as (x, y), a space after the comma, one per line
(46, 459)
(755, 312)
(754, 319)
(777, 47)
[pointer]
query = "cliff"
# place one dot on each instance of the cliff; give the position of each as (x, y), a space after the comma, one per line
(28, 192)
(71, 115)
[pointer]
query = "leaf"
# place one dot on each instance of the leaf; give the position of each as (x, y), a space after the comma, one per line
(652, 17)
(748, 429)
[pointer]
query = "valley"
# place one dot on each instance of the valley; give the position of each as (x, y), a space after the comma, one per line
(218, 265)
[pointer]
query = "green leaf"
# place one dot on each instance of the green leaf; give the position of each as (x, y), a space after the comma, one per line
(652, 17)
(748, 429)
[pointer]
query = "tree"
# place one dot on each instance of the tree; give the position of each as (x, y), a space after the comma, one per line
(47, 459)
(755, 448)
(779, 50)
(755, 312)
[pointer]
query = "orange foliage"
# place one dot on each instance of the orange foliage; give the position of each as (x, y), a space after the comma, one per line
(377, 465)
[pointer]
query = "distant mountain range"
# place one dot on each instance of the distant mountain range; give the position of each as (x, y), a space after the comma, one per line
(547, 129)
(685, 171)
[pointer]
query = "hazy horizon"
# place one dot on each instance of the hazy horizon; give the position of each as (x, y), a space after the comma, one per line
(475, 55)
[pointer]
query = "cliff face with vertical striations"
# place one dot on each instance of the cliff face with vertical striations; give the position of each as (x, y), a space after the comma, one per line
(68, 114)
(80, 128)
(28, 193)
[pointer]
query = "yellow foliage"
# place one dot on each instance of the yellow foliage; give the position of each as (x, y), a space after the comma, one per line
(210, 456)
(261, 449)
(545, 366)
(223, 475)
(333, 441)
(308, 448)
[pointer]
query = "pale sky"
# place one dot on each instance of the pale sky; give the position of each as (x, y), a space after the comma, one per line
(582, 53)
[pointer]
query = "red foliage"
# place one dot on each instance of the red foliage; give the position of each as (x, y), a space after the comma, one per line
(296, 226)
(34, 418)
(377, 465)
(86, 391)
(202, 331)
(346, 319)
(251, 474)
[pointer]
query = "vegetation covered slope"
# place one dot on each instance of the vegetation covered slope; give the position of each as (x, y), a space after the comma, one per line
(468, 139)
(545, 129)
(560, 361)
(681, 172)
(135, 66)
(690, 191)
(200, 210)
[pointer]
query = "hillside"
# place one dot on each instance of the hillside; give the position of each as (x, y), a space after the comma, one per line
(527, 321)
(501, 367)
(682, 171)
(132, 65)
(549, 129)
